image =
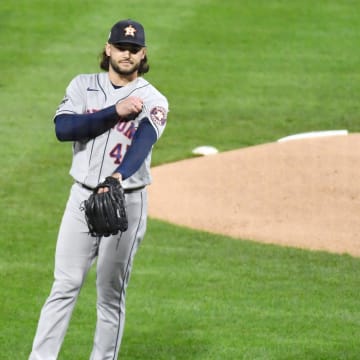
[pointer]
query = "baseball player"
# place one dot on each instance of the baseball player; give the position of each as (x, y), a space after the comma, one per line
(113, 118)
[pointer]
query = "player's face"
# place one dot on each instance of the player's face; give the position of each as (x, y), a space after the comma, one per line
(125, 59)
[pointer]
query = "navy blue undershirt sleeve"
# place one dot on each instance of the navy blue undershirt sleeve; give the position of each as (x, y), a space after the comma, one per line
(145, 137)
(74, 127)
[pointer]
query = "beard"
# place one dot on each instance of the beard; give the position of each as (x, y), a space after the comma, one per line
(129, 71)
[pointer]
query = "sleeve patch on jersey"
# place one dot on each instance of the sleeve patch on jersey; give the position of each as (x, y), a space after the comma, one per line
(158, 115)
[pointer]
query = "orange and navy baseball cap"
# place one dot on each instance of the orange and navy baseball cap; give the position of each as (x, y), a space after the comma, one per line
(127, 32)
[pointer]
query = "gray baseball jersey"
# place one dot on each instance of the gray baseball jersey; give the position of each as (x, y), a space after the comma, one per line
(94, 160)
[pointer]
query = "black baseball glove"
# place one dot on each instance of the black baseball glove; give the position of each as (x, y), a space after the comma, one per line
(105, 212)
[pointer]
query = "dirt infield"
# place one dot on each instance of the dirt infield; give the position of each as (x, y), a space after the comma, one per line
(301, 193)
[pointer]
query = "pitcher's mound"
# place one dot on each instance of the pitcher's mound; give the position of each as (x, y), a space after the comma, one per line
(303, 193)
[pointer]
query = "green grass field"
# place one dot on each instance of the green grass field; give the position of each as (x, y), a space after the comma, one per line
(237, 73)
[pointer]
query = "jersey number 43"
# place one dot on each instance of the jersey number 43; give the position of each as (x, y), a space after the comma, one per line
(117, 153)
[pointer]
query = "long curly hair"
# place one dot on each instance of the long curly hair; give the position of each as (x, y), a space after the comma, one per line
(104, 63)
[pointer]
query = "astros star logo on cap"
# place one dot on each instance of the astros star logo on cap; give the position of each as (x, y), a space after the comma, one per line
(130, 31)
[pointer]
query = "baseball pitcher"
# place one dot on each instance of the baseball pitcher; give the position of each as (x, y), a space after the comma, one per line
(113, 119)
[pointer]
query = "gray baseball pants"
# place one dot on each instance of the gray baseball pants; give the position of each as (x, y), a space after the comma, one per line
(75, 252)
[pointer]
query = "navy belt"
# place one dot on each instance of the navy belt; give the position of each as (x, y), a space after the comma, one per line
(126, 191)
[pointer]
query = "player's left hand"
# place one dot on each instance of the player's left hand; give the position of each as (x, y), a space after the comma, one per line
(105, 210)
(103, 189)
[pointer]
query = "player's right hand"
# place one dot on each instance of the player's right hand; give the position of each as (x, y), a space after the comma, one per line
(129, 106)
